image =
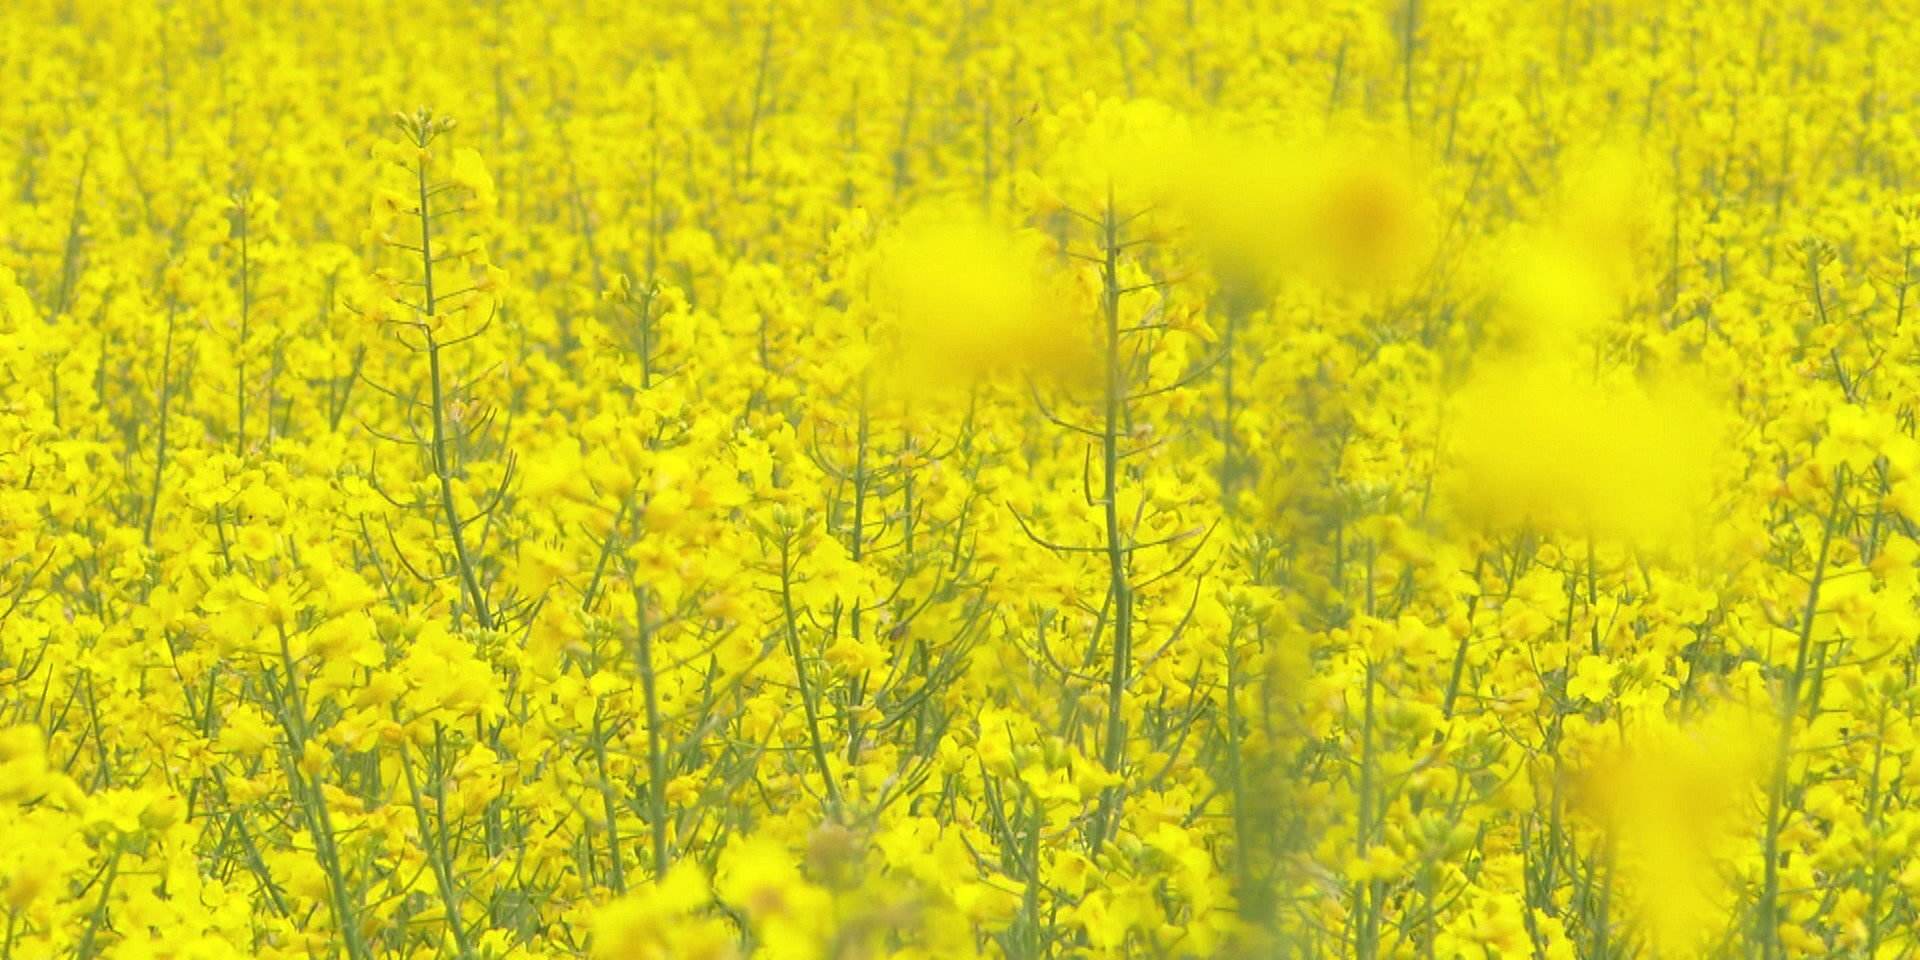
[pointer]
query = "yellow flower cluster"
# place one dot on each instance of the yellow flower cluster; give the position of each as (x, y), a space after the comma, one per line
(834, 479)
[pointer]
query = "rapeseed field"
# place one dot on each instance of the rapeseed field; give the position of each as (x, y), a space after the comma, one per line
(841, 480)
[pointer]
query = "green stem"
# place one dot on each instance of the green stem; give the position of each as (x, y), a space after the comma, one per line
(608, 809)
(1767, 915)
(1366, 896)
(246, 311)
(1119, 588)
(99, 915)
(442, 468)
(857, 545)
(807, 702)
(313, 805)
(656, 736)
(160, 446)
(436, 848)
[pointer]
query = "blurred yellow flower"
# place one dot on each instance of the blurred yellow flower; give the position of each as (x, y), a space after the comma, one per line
(664, 920)
(1671, 797)
(1538, 442)
(790, 915)
(1332, 211)
(972, 300)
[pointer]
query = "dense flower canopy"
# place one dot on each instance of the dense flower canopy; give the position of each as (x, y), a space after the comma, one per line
(843, 479)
